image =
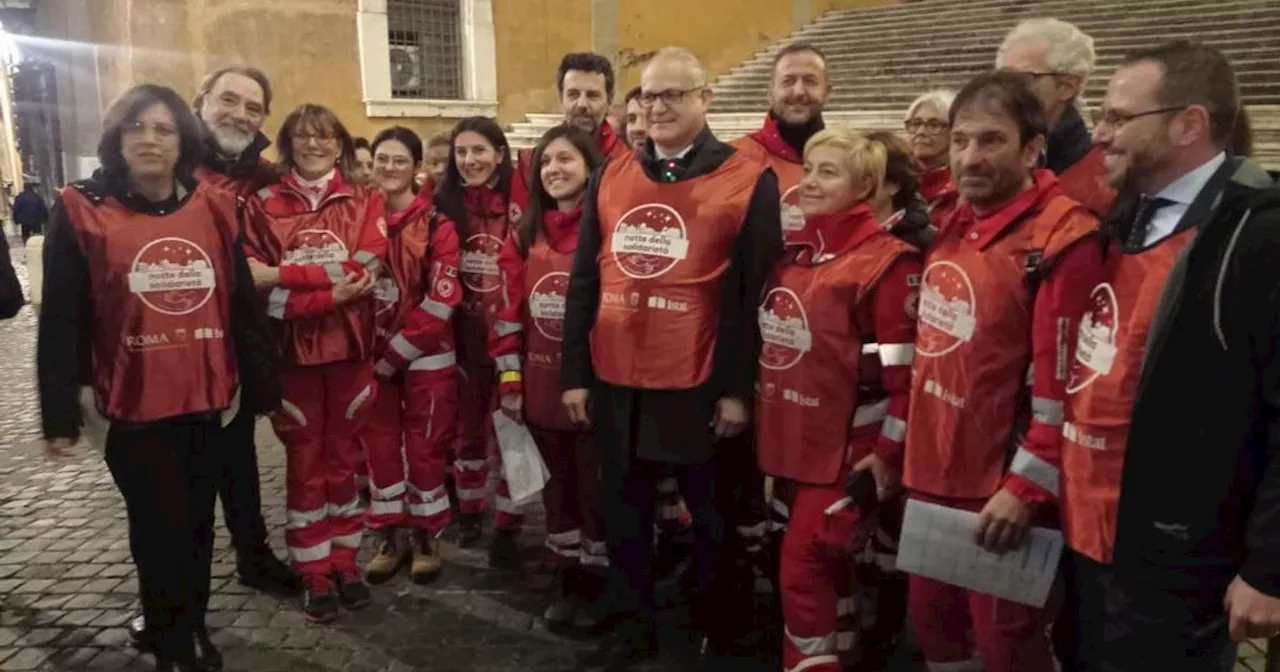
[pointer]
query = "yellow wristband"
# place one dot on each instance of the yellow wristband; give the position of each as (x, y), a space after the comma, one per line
(509, 377)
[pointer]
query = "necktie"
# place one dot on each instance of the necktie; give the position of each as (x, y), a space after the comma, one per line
(1142, 216)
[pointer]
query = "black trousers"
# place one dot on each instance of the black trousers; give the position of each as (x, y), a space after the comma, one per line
(166, 473)
(1151, 628)
(1079, 630)
(627, 505)
(239, 487)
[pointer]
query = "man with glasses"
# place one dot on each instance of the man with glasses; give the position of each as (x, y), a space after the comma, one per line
(660, 335)
(1058, 58)
(1171, 474)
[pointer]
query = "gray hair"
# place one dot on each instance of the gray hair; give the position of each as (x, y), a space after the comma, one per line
(684, 56)
(1071, 51)
(939, 98)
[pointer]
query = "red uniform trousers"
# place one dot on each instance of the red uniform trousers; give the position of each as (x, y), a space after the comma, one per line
(961, 630)
(323, 409)
(408, 441)
(477, 389)
(574, 534)
(816, 576)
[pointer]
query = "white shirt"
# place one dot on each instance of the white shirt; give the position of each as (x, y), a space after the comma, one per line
(657, 151)
(314, 189)
(1182, 191)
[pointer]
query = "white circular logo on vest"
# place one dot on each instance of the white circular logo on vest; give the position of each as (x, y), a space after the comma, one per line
(386, 293)
(792, 215)
(948, 309)
(172, 276)
(315, 246)
(784, 328)
(514, 212)
(1096, 344)
(480, 262)
(649, 240)
(546, 304)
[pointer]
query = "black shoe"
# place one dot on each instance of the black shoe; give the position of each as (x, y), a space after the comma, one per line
(504, 551)
(261, 570)
(139, 635)
(632, 644)
(207, 656)
(353, 592)
(319, 601)
(560, 613)
(468, 529)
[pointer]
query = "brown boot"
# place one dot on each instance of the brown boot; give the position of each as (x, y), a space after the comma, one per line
(426, 557)
(392, 553)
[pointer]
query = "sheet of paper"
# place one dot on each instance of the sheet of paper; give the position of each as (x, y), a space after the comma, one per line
(526, 474)
(937, 542)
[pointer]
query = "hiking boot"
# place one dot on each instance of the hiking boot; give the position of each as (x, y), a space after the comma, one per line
(261, 570)
(319, 601)
(353, 592)
(392, 554)
(504, 551)
(468, 529)
(426, 558)
(559, 614)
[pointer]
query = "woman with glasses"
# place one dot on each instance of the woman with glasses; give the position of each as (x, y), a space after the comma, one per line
(411, 432)
(317, 244)
(149, 303)
(928, 133)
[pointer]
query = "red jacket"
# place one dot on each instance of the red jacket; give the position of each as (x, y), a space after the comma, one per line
(766, 145)
(838, 331)
(315, 249)
(525, 340)
(418, 290)
(264, 174)
(983, 335)
(1086, 182)
(939, 190)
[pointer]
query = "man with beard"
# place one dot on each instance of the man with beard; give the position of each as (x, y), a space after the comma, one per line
(660, 334)
(1171, 473)
(1006, 281)
(585, 83)
(1058, 58)
(634, 131)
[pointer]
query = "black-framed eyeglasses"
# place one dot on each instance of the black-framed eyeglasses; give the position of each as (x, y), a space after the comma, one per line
(931, 126)
(669, 97)
(1117, 120)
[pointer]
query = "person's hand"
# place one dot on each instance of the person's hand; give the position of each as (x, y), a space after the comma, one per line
(1003, 523)
(59, 448)
(352, 287)
(512, 406)
(575, 403)
(263, 275)
(1251, 614)
(887, 478)
(731, 417)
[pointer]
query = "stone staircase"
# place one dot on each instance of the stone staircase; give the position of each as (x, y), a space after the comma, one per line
(881, 59)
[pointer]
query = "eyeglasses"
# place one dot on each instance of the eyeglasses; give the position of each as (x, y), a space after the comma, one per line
(1117, 120)
(669, 97)
(397, 162)
(161, 129)
(308, 136)
(931, 126)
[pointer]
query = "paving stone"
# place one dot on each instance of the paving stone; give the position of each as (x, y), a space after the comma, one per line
(25, 659)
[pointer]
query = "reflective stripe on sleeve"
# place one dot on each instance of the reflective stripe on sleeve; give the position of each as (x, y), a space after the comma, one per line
(404, 348)
(897, 354)
(1029, 466)
(505, 328)
(1047, 411)
(437, 309)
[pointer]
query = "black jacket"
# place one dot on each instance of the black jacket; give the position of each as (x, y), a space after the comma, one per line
(674, 425)
(1068, 142)
(1200, 495)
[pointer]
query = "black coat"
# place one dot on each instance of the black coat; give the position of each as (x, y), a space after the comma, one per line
(674, 425)
(1200, 495)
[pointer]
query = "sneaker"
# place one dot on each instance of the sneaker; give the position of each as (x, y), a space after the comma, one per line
(353, 592)
(504, 551)
(426, 558)
(391, 555)
(319, 602)
(468, 529)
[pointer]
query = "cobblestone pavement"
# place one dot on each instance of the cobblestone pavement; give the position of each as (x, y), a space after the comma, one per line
(67, 584)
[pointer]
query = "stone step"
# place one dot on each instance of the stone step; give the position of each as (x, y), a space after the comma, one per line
(1097, 11)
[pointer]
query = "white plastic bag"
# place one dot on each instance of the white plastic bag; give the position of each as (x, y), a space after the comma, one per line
(522, 463)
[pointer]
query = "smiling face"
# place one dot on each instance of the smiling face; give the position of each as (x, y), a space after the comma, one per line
(800, 87)
(829, 184)
(150, 144)
(563, 171)
(393, 167)
(234, 111)
(989, 163)
(584, 100)
(1141, 146)
(679, 102)
(477, 158)
(315, 150)
(637, 125)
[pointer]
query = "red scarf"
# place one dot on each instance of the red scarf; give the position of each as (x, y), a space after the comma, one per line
(561, 229)
(831, 234)
(484, 201)
(421, 203)
(936, 183)
(769, 138)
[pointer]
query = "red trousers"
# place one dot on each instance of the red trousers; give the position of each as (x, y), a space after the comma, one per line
(816, 577)
(408, 441)
(477, 390)
(323, 409)
(961, 630)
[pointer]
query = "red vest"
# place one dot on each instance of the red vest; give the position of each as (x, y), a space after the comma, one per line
(244, 187)
(326, 235)
(161, 303)
(546, 282)
(402, 285)
(663, 250)
(789, 168)
(973, 348)
(487, 226)
(1085, 181)
(1102, 389)
(812, 322)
